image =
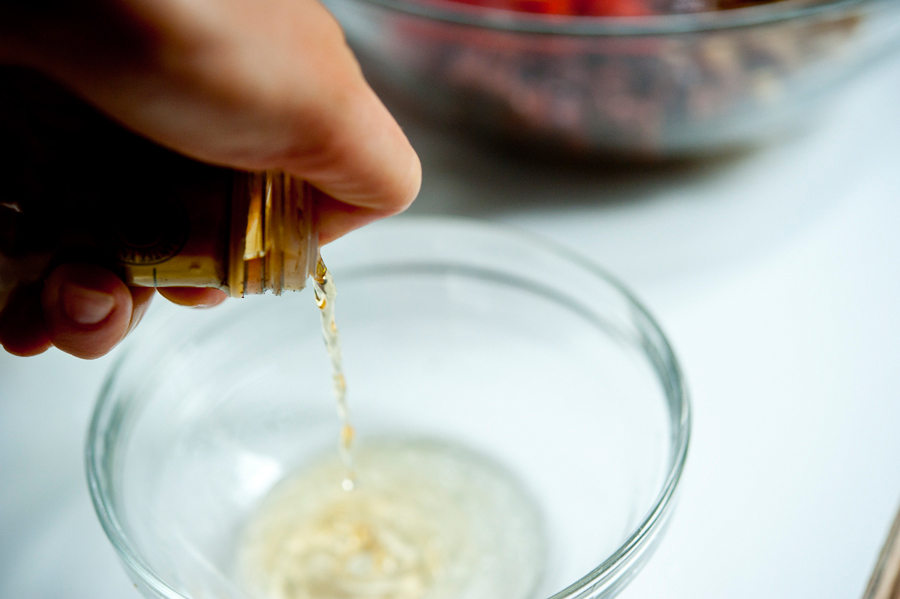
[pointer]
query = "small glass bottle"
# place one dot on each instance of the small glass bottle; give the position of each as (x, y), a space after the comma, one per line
(76, 186)
(245, 233)
(270, 239)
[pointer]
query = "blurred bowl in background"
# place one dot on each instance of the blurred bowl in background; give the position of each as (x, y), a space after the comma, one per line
(640, 87)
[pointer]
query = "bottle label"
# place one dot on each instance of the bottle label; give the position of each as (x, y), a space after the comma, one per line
(150, 230)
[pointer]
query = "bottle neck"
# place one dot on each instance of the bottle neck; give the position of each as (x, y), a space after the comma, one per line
(274, 242)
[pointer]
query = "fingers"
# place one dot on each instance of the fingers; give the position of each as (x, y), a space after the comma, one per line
(346, 142)
(315, 115)
(84, 310)
(255, 87)
(22, 331)
(140, 301)
(87, 310)
(195, 297)
(365, 165)
(335, 218)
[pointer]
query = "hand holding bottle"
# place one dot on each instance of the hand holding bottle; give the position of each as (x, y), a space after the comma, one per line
(235, 83)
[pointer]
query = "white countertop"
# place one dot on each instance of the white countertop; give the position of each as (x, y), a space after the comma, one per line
(777, 279)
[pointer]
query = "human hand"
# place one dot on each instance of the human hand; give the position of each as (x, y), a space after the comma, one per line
(237, 83)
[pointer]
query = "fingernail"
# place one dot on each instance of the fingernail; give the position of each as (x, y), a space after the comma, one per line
(86, 306)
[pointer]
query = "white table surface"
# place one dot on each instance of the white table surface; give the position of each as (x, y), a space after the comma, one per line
(777, 278)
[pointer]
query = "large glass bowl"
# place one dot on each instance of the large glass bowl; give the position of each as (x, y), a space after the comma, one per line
(493, 340)
(629, 87)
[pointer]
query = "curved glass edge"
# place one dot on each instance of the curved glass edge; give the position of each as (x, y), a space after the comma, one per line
(96, 461)
(606, 580)
(788, 10)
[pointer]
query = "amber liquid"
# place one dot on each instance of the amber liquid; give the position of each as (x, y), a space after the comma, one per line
(325, 294)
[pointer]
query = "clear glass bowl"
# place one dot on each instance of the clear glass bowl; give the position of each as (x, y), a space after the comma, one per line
(656, 87)
(451, 330)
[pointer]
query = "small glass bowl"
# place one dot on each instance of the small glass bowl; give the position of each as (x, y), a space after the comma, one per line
(491, 339)
(649, 88)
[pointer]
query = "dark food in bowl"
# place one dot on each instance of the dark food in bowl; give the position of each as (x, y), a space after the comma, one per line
(643, 95)
(661, 86)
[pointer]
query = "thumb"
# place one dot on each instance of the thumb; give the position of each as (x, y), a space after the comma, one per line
(87, 309)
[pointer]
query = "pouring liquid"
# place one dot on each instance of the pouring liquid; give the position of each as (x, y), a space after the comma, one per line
(392, 519)
(325, 295)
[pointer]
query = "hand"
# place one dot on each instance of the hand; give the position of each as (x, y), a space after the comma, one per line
(237, 83)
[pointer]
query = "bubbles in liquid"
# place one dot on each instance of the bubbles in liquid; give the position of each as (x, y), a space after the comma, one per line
(426, 520)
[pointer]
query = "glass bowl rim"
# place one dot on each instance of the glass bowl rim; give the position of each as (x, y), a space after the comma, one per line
(607, 571)
(616, 27)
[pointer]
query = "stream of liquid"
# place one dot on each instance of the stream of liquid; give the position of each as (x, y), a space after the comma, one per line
(325, 294)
